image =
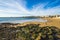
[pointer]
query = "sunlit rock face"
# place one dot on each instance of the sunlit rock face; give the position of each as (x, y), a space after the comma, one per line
(30, 32)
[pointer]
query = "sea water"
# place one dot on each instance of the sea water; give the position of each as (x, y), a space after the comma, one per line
(20, 19)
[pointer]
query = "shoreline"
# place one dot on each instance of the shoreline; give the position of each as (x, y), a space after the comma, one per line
(50, 22)
(23, 21)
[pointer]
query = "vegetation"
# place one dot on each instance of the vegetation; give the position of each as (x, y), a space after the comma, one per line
(30, 32)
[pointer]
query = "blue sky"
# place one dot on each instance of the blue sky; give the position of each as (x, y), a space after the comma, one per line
(16, 8)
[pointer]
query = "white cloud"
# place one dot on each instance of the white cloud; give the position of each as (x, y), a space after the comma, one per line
(14, 8)
(38, 10)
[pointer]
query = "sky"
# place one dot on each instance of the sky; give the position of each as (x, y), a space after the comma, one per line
(18, 8)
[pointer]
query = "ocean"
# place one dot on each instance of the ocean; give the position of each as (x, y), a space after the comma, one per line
(20, 19)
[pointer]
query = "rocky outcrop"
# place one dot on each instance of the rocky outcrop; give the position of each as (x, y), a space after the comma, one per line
(8, 25)
(29, 32)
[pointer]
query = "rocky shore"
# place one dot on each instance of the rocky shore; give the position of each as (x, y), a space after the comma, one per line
(8, 24)
(49, 30)
(28, 32)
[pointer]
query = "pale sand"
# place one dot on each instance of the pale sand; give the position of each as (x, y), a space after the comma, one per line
(50, 22)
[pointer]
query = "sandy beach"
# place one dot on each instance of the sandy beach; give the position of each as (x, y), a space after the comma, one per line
(50, 22)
